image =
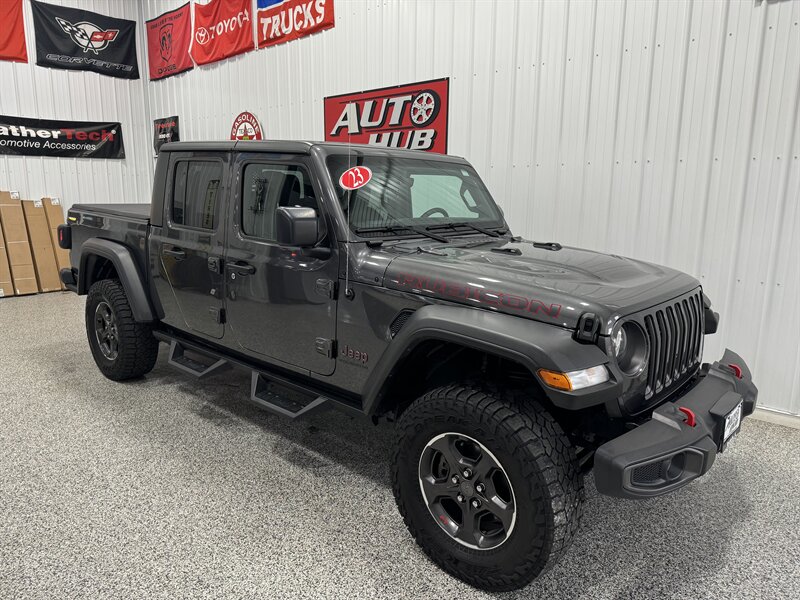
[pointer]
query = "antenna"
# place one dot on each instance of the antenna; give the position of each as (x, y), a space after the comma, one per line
(348, 293)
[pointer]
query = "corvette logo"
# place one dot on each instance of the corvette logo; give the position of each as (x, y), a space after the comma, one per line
(88, 36)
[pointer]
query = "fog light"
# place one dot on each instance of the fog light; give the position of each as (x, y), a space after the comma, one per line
(574, 380)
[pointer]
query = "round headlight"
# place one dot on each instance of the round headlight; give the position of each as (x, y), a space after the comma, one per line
(630, 348)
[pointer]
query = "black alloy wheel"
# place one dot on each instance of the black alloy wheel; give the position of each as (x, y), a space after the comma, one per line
(467, 491)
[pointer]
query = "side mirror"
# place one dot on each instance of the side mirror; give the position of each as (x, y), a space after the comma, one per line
(297, 226)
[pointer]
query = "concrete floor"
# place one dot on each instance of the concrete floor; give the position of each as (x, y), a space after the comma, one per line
(170, 488)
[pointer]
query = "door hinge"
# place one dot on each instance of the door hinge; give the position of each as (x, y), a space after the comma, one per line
(326, 347)
(215, 264)
(218, 314)
(327, 288)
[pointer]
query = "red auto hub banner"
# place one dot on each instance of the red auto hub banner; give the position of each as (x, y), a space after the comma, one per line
(168, 39)
(286, 20)
(410, 116)
(222, 28)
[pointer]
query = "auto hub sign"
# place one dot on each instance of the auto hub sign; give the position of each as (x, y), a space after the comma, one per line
(407, 116)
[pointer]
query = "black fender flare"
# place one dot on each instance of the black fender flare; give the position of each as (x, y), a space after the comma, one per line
(128, 272)
(533, 344)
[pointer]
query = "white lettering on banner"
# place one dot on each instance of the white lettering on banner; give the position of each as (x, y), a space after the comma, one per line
(226, 26)
(297, 18)
(350, 118)
(418, 139)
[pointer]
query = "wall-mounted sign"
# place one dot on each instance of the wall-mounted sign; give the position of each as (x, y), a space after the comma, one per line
(222, 28)
(410, 116)
(12, 34)
(44, 137)
(279, 21)
(75, 39)
(168, 39)
(246, 127)
(165, 131)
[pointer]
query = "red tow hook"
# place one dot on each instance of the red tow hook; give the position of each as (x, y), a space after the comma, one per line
(691, 421)
(737, 370)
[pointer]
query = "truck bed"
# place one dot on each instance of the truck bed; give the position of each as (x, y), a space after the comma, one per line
(136, 212)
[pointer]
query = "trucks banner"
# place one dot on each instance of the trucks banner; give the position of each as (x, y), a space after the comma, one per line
(24, 136)
(168, 38)
(80, 40)
(412, 116)
(222, 28)
(165, 131)
(281, 21)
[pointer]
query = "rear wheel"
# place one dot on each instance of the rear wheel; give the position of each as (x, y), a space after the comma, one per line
(122, 347)
(488, 485)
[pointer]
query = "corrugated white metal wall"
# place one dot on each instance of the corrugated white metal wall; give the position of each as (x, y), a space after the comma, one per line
(31, 91)
(664, 130)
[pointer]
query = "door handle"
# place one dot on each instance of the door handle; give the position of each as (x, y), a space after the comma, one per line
(242, 268)
(175, 253)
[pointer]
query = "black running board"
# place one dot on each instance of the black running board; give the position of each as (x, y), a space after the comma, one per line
(187, 364)
(287, 403)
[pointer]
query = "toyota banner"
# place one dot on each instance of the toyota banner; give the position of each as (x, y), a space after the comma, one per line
(410, 116)
(75, 39)
(74, 139)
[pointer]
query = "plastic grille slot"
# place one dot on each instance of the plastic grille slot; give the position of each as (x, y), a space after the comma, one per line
(674, 332)
(399, 321)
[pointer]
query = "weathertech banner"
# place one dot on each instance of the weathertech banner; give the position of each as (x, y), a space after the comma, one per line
(76, 139)
(12, 32)
(286, 20)
(410, 116)
(222, 28)
(165, 131)
(168, 39)
(70, 38)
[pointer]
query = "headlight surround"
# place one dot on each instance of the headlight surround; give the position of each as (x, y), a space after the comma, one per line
(629, 345)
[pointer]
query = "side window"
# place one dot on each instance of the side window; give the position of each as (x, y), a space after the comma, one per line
(194, 193)
(267, 187)
(440, 191)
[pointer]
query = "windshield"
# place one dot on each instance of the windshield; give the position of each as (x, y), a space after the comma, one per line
(406, 195)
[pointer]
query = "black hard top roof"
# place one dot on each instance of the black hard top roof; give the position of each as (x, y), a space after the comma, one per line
(299, 147)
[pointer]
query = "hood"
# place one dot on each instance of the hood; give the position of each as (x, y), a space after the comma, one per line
(549, 285)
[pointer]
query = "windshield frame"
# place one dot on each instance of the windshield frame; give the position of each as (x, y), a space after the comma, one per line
(325, 152)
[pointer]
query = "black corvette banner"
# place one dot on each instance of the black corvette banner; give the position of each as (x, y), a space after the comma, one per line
(75, 39)
(165, 131)
(43, 137)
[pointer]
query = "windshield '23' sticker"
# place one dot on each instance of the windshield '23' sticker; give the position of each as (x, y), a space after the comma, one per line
(355, 178)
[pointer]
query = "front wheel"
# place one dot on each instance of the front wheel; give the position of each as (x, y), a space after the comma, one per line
(487, 484)
(122, 347)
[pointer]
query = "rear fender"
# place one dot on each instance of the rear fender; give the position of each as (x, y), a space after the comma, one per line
(126, 269)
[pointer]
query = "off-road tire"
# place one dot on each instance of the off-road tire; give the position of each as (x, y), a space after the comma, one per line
(137, 348)
(541, 466)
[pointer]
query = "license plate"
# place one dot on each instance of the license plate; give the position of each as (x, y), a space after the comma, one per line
(732, 421)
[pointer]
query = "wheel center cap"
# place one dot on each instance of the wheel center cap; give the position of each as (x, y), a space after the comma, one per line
(467, 488)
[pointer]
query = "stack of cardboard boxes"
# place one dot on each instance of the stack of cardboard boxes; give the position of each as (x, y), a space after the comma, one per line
(30, 257)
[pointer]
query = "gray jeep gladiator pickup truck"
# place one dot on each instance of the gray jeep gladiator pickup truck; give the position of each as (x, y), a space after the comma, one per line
(386, 283)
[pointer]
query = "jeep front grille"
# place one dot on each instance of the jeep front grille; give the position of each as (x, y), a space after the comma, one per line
(675, 335)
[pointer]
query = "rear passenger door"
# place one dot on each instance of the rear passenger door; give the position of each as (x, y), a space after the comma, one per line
(280, 300)
(190, 244)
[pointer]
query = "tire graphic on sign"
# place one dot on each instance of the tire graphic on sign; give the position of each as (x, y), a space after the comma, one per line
(424, 108)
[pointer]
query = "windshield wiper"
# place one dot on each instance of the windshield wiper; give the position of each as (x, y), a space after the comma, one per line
(391, 228)
(464, 224)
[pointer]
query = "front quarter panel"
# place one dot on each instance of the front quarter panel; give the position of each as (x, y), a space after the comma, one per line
(530, 343)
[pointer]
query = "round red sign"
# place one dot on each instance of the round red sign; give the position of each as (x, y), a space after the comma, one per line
(354, 178)
(246, 127)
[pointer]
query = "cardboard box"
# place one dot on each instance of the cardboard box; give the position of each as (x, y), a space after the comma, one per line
(44, 259)
(6, 285)
(15, 232)
(55, 217)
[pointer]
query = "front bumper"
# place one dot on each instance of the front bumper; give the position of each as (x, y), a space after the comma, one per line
(667, 452)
